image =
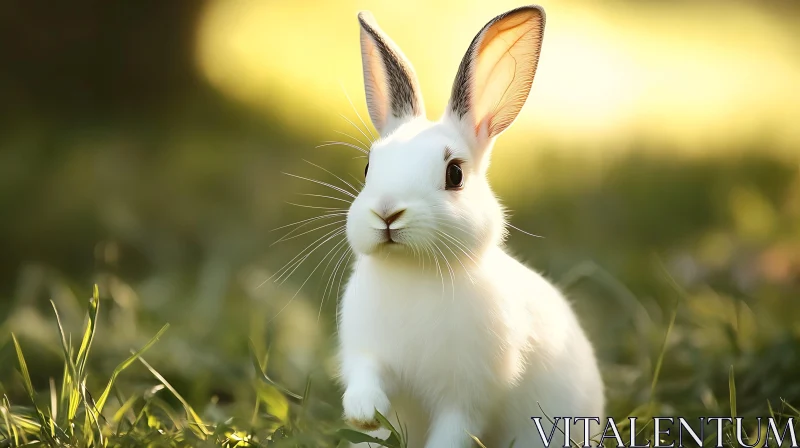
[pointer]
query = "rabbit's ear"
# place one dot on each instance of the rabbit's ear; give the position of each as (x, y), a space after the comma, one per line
(393, 94)
(495, 76)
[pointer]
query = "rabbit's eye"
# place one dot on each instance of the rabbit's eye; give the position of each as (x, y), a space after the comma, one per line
(366, 169)
(454, 177)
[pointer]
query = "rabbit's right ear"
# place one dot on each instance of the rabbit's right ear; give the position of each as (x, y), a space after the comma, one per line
(393, 94)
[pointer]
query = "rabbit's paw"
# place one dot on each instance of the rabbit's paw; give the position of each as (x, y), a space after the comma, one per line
(360, 405)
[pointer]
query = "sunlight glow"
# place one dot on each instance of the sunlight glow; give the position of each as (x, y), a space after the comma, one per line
(690, 75)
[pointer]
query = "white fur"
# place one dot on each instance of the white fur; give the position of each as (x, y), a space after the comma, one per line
(444, 328)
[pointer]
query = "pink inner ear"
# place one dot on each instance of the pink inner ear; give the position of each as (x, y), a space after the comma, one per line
(505, 63)
(375, 82)
(482, 128)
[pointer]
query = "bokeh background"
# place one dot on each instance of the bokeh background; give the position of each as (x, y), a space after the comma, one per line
(142, 146)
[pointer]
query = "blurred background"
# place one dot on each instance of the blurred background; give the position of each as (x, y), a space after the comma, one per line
(142, 146)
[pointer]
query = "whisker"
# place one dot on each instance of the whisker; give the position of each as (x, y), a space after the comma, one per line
(325, 270)
(342, 264)
(438, 266)
(449, 269)
(340, 190)
(462, 248)
(344, 270)
(428, 253)
(507, 223)
(422, 255)
(455, 240)
(326, 197)
(301, 226)
(357, 180)
(295, 264)
(339, 232)
(333, 273)
(326, 215)
(355, 126)
(349, 145)
(520, 230)
(414, 251)
(450, 224)
(329, 172)
(358, 115)
(291, 262)
(453, 226)
(457, 258)
(328, 284)
(284, 238)
(364, 146)
(301, 286)
(312, 206)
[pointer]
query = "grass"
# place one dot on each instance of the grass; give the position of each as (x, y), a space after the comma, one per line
(71, 416)
(708, 327)
(74, 418)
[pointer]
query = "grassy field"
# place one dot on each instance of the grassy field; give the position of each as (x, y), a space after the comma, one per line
(684, 272)
(142, 148)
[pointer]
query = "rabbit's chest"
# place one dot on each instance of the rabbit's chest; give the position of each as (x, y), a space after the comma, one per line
(429, 336)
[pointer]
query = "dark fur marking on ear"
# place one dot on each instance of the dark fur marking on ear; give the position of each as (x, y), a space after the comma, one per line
(460, 95)
(401, 89)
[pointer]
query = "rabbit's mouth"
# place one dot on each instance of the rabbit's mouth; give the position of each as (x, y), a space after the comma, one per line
(392, 240)
(390, 236)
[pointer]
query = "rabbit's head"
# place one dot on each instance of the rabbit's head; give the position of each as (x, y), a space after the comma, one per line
(426, 189)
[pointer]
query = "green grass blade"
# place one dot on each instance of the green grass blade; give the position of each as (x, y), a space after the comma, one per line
(125, 364)
(274, 401)
(354, 436)
(477, 441)
(78, 391)
(88, 334)
(663, 351)
(11, 429)
(158, 403)
(26, 379)
(23, 367)
(140, 415)
(395, 436)
(63, 401)
(189, 410)
(26, 424)
(732, 391)
(263, 376)
(660, 361)
(306, 392)
(127, 405)
(792, 408)
(75, 380)
(53, 402)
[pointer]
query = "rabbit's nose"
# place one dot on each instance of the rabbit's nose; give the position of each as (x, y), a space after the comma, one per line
(390, 217)
(393, 217)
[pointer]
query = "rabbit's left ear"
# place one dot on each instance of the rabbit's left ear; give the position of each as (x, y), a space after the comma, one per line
(495, 76)
(393, 94)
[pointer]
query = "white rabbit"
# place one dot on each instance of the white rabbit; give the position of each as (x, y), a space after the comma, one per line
(438, 324)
